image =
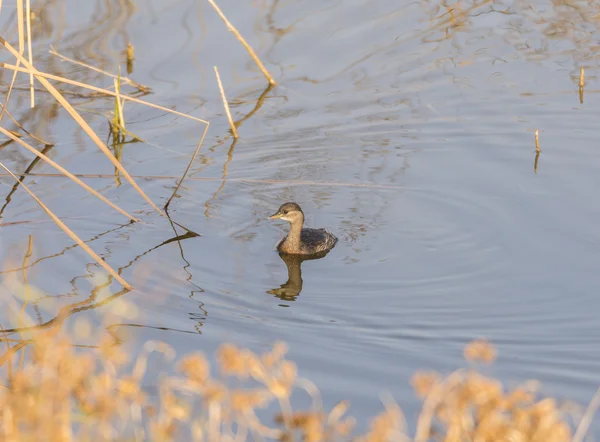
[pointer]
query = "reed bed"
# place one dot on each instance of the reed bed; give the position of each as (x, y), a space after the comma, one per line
(64, 392)
(24, 63)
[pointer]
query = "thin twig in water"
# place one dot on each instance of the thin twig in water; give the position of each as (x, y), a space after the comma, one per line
(71, 234)
(537, 141)
(187, 169)
(243, 42)
(225, 104)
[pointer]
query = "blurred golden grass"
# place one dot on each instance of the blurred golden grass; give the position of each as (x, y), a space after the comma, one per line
(65, 392)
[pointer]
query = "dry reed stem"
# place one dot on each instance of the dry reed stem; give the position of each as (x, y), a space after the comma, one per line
(29, 50)
(66, 173)
(21, 49)
(71, 234)
(100, 90)
(586, 420)
(141, 87)
(225, 104)
(86, 127)
(537, 141)
(243, 42)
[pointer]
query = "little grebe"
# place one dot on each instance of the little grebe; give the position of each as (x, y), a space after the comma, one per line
(301, 241)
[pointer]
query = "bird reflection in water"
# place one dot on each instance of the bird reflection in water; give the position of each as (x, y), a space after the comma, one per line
(291, 289)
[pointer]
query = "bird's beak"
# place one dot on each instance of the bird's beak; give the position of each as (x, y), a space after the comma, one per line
(276, 215)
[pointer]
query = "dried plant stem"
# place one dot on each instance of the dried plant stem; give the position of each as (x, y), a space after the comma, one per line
(225, 104)
(243, 42)
(39, 74)
(70, 233)
(29, 51)
(21, 50)
(537, 141)
(86, 127)
(66, 173)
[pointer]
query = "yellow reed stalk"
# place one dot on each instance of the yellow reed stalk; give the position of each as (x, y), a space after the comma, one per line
(225, 104)
(29, 51)
(241, 39)
(537, 141)
(71, 234)
(21, 50)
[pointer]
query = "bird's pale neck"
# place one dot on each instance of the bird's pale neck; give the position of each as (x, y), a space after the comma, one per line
(293, 238)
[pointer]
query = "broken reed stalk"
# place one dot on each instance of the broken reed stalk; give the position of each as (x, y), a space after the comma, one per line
(241, 39)
(71, 234)
(66, 173)
(29, 51)
(537, 141)
(82, 123)
(225, 104)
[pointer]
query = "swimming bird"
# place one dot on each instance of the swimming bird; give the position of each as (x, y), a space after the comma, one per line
(301, 241)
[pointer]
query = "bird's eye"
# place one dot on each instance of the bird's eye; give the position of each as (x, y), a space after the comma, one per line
(285, 212)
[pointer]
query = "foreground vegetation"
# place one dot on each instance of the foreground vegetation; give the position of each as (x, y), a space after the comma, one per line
(62, 392)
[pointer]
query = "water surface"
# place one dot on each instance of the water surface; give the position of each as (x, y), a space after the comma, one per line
(405, 128)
